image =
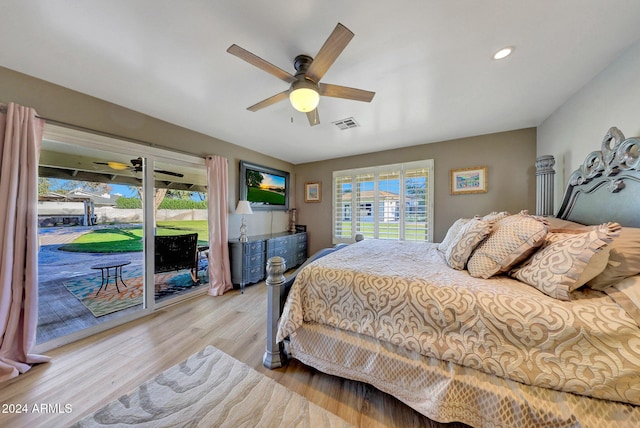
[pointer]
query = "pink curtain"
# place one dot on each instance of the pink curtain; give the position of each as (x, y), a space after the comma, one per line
(218, 216)
(20, 139)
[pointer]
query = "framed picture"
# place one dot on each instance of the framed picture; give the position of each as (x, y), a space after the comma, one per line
(469, 180)
(312, 192)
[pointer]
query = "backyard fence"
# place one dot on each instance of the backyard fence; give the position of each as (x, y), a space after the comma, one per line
(115, 215)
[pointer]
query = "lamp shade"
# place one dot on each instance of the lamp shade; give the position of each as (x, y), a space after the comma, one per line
(244, 208)
(304, 95)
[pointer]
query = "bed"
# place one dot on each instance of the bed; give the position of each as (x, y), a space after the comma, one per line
(512, 320)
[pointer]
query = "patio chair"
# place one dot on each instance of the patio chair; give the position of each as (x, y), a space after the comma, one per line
(177, 252)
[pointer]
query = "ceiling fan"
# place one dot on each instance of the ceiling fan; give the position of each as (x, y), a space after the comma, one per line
(306, 89)
(136, 166)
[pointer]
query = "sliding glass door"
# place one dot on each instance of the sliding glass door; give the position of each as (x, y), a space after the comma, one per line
(90, 228)
(122, 230)
(181, 230)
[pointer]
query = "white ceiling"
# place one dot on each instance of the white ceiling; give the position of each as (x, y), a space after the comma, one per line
(429, 62)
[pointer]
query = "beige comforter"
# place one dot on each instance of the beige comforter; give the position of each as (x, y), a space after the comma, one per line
(404, 293)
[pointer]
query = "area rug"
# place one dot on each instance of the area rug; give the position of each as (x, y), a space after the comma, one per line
(211, 389)
(111, 300)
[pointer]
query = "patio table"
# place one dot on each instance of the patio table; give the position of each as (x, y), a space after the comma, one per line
(108, 273)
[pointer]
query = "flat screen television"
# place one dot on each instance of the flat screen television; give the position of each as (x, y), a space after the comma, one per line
(265, 188)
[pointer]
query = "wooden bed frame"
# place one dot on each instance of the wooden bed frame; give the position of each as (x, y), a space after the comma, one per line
(606, 187)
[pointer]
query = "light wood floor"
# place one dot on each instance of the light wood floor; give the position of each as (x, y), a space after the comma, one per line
(89, 373)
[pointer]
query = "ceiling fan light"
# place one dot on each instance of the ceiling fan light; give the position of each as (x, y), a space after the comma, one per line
(117, 165)
(504, 52)
(304, 95)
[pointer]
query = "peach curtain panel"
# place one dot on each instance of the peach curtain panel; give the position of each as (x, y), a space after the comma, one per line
(20, 140)
(218, 216)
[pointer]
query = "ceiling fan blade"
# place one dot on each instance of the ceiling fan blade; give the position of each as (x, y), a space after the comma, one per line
(329, 52)
(175, 174)
(269, 101)
(337, 91)
(313, 117)
(260, 63)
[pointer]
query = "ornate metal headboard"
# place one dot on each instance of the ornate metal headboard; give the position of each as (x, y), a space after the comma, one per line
(606, 187)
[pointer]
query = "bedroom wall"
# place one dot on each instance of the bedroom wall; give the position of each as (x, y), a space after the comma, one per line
(577, 128)
(510, 157)
(64, 105)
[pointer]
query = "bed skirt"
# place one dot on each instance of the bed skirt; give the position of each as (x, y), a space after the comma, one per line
(447, 392)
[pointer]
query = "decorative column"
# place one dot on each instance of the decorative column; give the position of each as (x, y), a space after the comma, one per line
(274, 355)
(544, 185)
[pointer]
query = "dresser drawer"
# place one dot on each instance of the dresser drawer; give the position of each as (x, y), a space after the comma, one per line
(254, 273)
(277, 243)
(248, 259)
(256, 247)
(282, 252)
(255, 258)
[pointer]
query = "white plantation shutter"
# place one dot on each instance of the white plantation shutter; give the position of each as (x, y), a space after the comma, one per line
(384, 202)
(389, 205)
(363, 214)
(342, 207)
(416, 213)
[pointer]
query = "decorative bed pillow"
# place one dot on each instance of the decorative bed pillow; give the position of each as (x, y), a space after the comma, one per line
(624, 259)
(556, 224)
(512, 241)
(467, 238)
(560, 266)
(451, 233)
(495, 216)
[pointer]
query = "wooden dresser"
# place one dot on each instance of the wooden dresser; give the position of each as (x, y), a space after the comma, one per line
(249, 259)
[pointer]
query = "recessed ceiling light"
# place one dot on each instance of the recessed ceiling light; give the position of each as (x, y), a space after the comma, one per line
(504, 52)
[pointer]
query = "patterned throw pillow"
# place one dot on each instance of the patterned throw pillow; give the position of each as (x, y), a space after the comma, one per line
(451, 233)
(559, 267)
(469, 236)
(512, 241)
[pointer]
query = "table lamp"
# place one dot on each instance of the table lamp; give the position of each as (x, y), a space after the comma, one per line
(243, 208)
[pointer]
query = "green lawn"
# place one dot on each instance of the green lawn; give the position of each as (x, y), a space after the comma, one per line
(385, 230)
(116, 240)
(266, 196)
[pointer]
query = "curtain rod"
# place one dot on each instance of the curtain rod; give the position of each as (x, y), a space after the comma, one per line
(3, 109)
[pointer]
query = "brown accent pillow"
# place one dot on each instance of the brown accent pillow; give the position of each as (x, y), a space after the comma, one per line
(556, 224)
(624, 259)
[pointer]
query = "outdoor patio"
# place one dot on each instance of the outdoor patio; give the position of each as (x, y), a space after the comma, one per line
(69, 300)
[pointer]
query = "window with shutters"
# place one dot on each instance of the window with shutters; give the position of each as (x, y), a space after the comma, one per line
(384, 202)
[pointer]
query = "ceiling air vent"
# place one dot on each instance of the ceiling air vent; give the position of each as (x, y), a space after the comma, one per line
(346, 123)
